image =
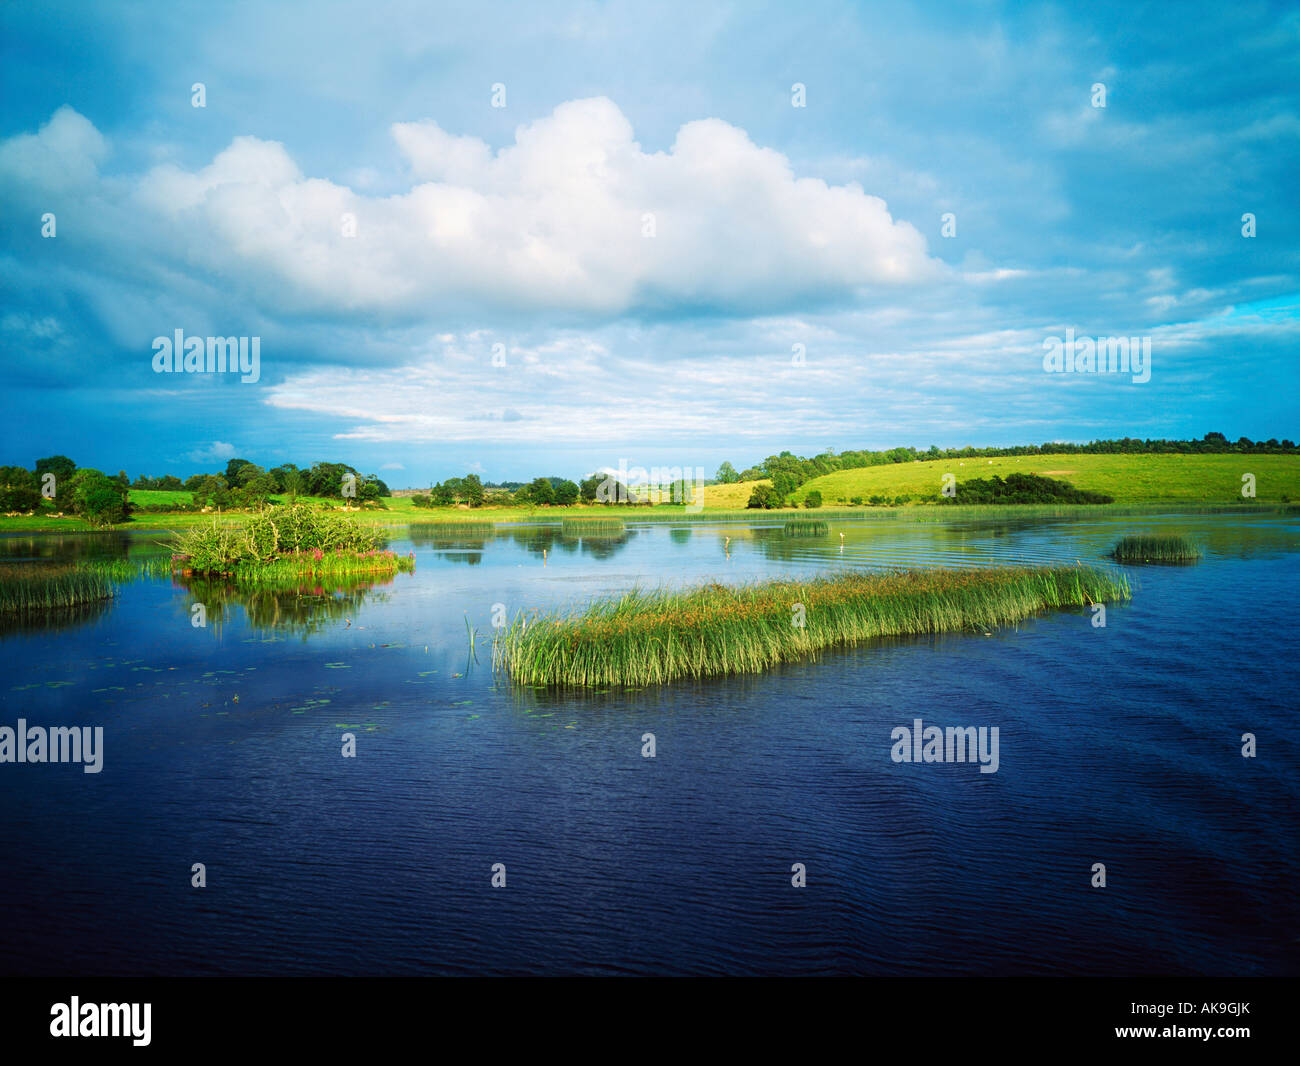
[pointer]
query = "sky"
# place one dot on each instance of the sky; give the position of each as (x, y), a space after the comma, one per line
(524, 239)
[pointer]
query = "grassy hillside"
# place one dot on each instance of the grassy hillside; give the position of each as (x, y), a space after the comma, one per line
(1129, 478)
(729, 497)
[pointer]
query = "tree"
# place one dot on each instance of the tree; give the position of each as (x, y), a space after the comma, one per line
(59, 465)
(232, 470)
(784, 483)
(566, 494)
(19, 490)
(211, 491)
(62, 468)
(588, 487)
(282, 473)
(245, 474)
(326, 479)
(764, 496)
(99, 499)
(539, 491)
(257, 489)
(473, 489)
(727, 474)
(813, 499)
(294, 482)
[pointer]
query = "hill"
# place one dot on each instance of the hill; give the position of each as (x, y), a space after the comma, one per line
(1142, 478)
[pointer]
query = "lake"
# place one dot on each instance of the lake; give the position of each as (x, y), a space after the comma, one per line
(1119, 745)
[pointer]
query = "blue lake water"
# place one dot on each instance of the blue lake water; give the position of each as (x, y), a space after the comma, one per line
(222, 745)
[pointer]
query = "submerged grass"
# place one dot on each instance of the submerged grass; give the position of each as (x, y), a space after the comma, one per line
(592, 527)
(1155, 548)
(33, 589)
(653, 637)
(805, 527)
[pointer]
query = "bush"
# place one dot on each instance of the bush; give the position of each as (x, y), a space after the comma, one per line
(100, 500)
(1022, 488)
(764, 496)
(813, 499)
(276, 531)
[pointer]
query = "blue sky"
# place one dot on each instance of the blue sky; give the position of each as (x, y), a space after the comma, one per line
(797, 290)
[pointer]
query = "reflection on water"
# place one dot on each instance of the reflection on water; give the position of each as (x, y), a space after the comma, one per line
(83, 547)
(55, 620)
(542, 541)
(1118, 742)
(298, 608)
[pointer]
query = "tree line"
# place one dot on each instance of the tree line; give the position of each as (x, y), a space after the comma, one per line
(56, 483)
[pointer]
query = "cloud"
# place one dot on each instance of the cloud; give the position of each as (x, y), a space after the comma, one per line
(572, 217)
(65, 153)
(213, 452)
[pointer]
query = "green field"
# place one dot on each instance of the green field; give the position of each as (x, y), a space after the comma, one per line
(1154, 482)
(1172, 479)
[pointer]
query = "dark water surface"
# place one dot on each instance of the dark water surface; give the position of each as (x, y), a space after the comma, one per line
(1118, 745)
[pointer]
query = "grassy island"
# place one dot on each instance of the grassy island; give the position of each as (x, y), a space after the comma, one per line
(653, 637)
(1159, 548)
(287, 542)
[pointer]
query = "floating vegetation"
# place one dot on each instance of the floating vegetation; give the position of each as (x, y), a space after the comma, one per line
(28, 589)
(1155, 548)
(592, 527)
(654, 637)
(805, 527)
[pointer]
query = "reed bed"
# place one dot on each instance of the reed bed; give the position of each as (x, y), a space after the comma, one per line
(805, 527)
(313, 565)
(1155, 548)
(456, 530)
(33, 589)
(123, 570)
(654, 637)
(592, 527)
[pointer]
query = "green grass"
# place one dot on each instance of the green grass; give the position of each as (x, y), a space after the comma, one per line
(124, 570)
(472, 530)
(1153, 482)
(592, 527)
(801, 527)
(1157, 548)
(307, 566)
(651, 638)
(30, 589)
(1145, 478)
